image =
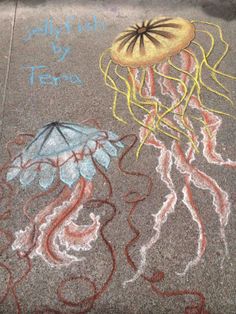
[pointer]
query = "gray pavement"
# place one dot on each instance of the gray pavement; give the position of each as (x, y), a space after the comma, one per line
(64, 40)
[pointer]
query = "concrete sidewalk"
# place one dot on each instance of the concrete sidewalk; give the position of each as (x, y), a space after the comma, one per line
(49, 71)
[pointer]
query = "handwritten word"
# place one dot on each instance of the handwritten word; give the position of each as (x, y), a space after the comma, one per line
(60, 50)
(49, 29)
(36, 76)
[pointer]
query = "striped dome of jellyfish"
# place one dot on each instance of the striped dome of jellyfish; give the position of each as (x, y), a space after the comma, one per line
(68, 147)
(71, 153)
(158, 68)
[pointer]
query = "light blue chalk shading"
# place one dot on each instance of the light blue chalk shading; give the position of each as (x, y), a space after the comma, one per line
(87, 168)
(110, 149)
(102, 158)
(14, 170)
(69, 172)
(113, 137)
(28, 175)
(46, 175)
(66, 143)
(90, 147)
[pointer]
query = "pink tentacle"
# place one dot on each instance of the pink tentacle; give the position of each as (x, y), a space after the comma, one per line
(164, 168)
(212, 121)
(56, 222)
(203, 181)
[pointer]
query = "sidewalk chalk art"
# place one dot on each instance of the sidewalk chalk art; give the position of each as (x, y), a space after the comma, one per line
(62, 160)
(40, 74)
(158, 67)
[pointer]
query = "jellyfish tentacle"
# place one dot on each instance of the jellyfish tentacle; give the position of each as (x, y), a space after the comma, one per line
(8, 197)
(204, 61)
(157, 276)
(188, 67)
(106, 180)
(69, 204)
(88, 301)
(216, 65)
(168, 207)
(206, 55)
(152, 115)
(165, 122)
(209, 132)
(25, 240)
(203, 181)
(19, 140)
(188, 199)
(148, 99)
(164, 168)
(190, 204)
(79, 237)
(180, 131)
(115, 95)
(150, 90)
(184, 109)
(9, 282)
(49, 228)
(124, 94)
(106, 76)
(178, 102)
(211, 124)
(214, 68)
(116, 89)
(35, 197)
(128, 97)
(175, 106)
(139, 86)
(197, 79)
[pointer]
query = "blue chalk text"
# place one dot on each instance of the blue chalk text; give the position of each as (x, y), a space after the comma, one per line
(61, 51)
(45, 78)
(48, 28)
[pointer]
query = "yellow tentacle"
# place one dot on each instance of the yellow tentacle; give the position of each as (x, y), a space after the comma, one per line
(204, 61)
(196, 79)
(222, 40)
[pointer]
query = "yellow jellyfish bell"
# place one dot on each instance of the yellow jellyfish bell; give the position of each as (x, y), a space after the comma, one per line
(132, 71)
(152, 41)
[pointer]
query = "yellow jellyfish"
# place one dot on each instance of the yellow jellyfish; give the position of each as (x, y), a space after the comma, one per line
(134, 68)
(159, 68)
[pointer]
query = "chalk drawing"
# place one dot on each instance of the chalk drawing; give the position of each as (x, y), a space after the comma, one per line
(49, 30)
(53, 31)
(61, 51)
(71, 149)
(145, 58)
(62, 158)
(37, 77)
